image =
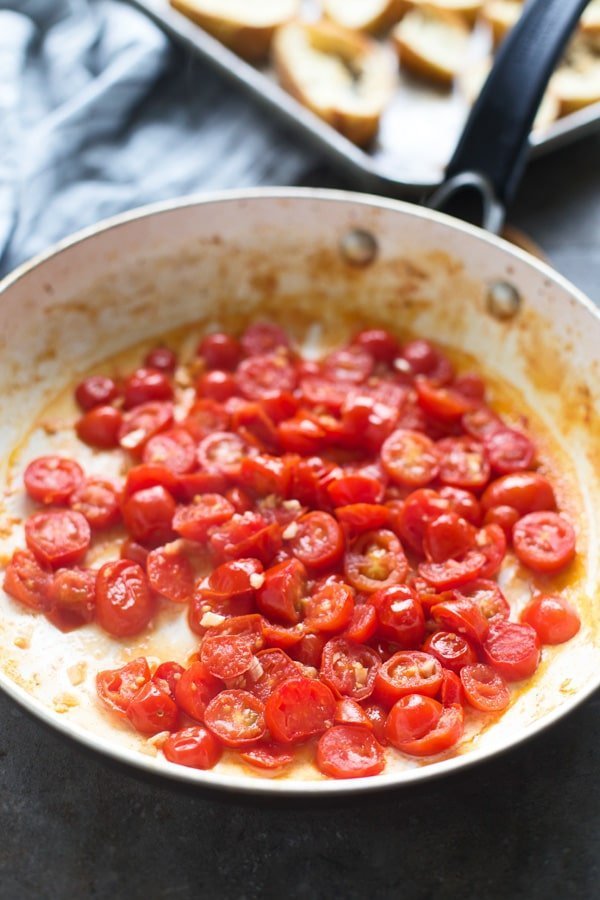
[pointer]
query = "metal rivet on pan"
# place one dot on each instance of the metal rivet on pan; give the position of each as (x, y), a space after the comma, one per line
(358, 247)
(503, 300)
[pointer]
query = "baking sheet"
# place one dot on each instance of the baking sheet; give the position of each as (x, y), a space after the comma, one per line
(418, 130)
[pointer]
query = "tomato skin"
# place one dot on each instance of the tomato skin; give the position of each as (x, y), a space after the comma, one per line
(142, 423)
(363, 624)
(453, 650)
(513, 650)
(52, 479)
(524, 491)
(73, 596)
(491, 542)
(442, 402)
(226, 656)
(420, 508)
(97, 500)
(148, 515)
(506, 517)
(152, 710)
(205, 510)
(146, 386)
(349, 712)
(410, 458)
(195, 689)
(161, 358)
(420, 355)
(349, 669)
(484, 688)
(318, 542)
(267, 755)
(217, 385)
(249, 535)
(448, 537)
(552, 617)
(509, 451)
(453, 573)
(355, 488)
(309, 650)
(220, 351)
(380, 344)
(360, 517)
(263, 337)
(410, 718)
(487, 596)
(195, 747)
(265, 475)
(235, 578)
(400, 616)
(377, 716)
(462, 502)
(134, 552)
(451, 691)
(28, 581)
(205, 417)
(236, 718)
(462, 616)
(443, 736)
(167, 675)
(284, 587)
(298, 709)
(100, 427)
(124, 605)
(544, 541)
(375, 561)
(349, 751)
(58, 537)
(463, 463)
(170, 574)
(174, 449)
(116, 688)
(407, 672)
(481, 422)
(349, 365)
(329, 608)
(95, 390)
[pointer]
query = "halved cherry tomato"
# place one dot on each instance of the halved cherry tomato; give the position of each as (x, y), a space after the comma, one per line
(283, 588)
(375, 560)
(248, 535)
(73, 596)
(349, 712)
(226, 656)
(408, 672)
(58, 537)
(257, 426)
(219, 351)
(349, 751)
(95, 390)
(506, 517)
(360, 517)
(462, 616)
(420, 508)
(145, 476)
(298, 709)
(487, 596)
(161, 358)
(274, 666)
(174, 449)
(195, 747)
(265, 474)
(442, 402)
(366, 420)
(194, 520)
(206, 417)
(267, 755)
(350, 365)
(217, 385)
(410, 718)
(490, 541)
(355, 488)
(448, 537)
(195, 689)
(148, 515)
(318, 541)
(265, 375)
(28, 581)
(263, 337)
(524, 491)
(222, 452)
(400, 616)
(410, 458)
(462, 502)
(236, 717)
(146, 386)
(329, 608)
(481, 422)
(170, 573)
(382, 345)
(142, 423)
(420, 355)
(463, 463)
(135, 552)
(553, 618)
(236, 578)
(451, 691)
(309, 650)
(52, 479)
(453, 650)
(453, 573)
(484, 688)
(362, 625)
(124, 604)
(471, 385)
(441, 737)
(100, 427)
(349, 669)
(117, 687)
(97, 500)
(167, 675)
(377, 716)
(544, 541)
(509, 451)
(152, 710)
(513, 650)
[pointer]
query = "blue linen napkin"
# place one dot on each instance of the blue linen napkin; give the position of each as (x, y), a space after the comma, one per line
(99, 113)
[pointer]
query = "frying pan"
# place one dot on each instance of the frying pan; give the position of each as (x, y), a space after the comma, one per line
(322, 263)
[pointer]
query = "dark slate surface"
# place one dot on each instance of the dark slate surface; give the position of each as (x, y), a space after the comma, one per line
(526, 825)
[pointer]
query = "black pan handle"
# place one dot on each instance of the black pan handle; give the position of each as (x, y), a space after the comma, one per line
(492, 151)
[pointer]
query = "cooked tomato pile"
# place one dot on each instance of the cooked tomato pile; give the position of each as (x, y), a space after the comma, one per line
(334, 529)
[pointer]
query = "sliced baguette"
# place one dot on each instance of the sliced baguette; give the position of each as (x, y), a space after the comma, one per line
(245, 26)
(371, 16)
(343, 76)
(467, 9)
(473, 78)
(577, 81)
(501, 16)
(432, 43)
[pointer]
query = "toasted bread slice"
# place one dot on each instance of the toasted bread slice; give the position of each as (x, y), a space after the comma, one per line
(245, 26)
(365, 15)
(473, 78)
(577, 81)
(501, 16)
(343, 76)
(432, 43)
(467, 9)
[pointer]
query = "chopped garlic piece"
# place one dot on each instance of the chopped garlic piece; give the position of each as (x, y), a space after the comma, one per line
(210, 619)
(257, 579)
(76, 673)
(291, 504)
(290, 532)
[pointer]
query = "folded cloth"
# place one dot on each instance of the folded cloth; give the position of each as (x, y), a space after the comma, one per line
(99, 113)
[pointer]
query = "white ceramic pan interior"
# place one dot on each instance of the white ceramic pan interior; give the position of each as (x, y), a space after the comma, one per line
(276, 254)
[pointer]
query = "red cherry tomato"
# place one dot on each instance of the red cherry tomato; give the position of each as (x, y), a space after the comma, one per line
(471, 385)
(360, 517)
(27, 581)
(350, 365)
(226, 656)
(544, 541)
(274, 667)
(124, 605)
(362, 625)
(217, 385)
(161, 358)
(451, 691)
(267, 755)
(146, 386)
(462, 616)
(443, 403)
(152, 710)
(380, 344)
(481, 422)
(245, 536)
(264, 475)
(453, 573)
(375, 561)
(408, 672)
(419, 509)
(552, 617)
(58, 537)
(97, 500)
(509, 451)
(173, 449)
(52, 479)
(420, 355)
(513, 650)
(219, 351)
(410, 718)
(195, 747)
(167, 675)
(95, 390)
(116, 688)
(318, 541)
(487, 596)
(448, 537)
(142, 423)
(100, 427)
(453, 650)
(462, 502)
(506, 517)
(524, 491)
(135, 552)
(298, 709)
(441, 737)
(222, 452)
(309, 650)
(148, 515)
(73, 596)
(400, 616)
(266, 375)
(284, 587)
(263, 337)
(302, 435)
(349, 712)
(410, 458)
(366, 421)
(170, 573)
(204, 418)
(237, 718)
(377, 717)
(463, 463)
(329, 608)
(484, 688)
(195, 689)
(349, 669)
(355, 488)
(145, 476)
(349, 751)
(193, 521)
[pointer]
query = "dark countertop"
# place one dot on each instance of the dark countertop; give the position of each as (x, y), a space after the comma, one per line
(526, 825)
